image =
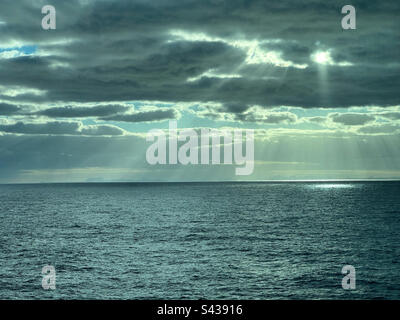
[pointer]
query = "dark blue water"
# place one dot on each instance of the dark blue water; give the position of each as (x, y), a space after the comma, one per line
(205, 240)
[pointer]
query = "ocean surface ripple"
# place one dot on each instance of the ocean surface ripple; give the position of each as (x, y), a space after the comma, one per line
(200, 240)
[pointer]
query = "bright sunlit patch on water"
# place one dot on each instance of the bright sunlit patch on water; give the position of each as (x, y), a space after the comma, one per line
(334, 186)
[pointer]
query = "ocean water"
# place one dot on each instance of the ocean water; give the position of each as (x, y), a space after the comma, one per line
(200, 240)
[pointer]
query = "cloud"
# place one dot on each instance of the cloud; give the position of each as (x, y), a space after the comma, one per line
(60, 128)
(8, 109)
(380, 129)
(390, 115)
(351, 119)
(110, 112)
(201, 62)
(148, 51)
(259, 115)
(244, 114)
(145, 116)
(83, 112)
(316, 119)
(8, 54)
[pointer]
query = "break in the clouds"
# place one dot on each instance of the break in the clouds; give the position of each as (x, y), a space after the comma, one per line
(284, 68)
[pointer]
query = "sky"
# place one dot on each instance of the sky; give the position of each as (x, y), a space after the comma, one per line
(77, 102)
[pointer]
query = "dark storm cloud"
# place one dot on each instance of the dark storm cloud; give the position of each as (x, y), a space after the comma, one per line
(101, 130)
(124, 51)
(109, 113)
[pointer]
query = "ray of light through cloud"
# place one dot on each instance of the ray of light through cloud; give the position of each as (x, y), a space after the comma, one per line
(312, 97)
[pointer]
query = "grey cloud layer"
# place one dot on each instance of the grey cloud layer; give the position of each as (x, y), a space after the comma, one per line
(83, 112)
(352, 119)
(7, 109)
(123, 50)
(60, 128)
(101, 112)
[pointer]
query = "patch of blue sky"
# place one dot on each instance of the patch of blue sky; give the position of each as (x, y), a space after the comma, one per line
(23, 49)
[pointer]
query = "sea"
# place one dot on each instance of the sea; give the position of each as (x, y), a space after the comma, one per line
(225, 240)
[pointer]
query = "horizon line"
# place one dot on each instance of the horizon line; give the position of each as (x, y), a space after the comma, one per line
(207, 181)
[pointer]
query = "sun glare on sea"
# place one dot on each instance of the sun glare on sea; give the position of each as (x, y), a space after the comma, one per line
(334, 186)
